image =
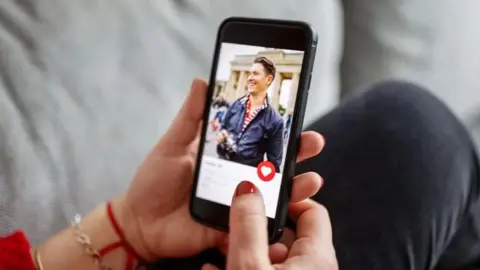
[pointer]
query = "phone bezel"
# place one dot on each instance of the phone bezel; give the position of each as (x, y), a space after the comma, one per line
(282, 34)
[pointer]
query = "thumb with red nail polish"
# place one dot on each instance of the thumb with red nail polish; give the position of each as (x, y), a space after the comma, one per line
(248, 238)
(245, 187)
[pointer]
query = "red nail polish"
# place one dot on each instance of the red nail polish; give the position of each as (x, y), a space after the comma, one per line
(245, 187)
(252, 188)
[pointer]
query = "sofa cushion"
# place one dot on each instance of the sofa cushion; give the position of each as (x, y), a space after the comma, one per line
(87, 87)
(432, 42)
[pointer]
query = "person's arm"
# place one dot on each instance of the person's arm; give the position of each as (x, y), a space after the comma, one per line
(64, 251)
(222, 134)
(275, 145)
(226, 118)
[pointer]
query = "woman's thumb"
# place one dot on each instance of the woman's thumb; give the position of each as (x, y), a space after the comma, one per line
(185, 126)
(248, 238)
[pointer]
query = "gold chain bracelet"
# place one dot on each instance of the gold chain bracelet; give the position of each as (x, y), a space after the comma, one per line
(37, 259)
(84, 240)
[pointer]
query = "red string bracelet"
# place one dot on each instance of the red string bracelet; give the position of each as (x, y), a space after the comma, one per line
(107, 249)
(102, 252)
(132, 254)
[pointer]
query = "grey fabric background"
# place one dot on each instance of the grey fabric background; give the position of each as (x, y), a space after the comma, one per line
(434, 43)
(87, 87)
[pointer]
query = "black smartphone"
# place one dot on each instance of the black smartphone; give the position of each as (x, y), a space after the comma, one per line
(253, 117)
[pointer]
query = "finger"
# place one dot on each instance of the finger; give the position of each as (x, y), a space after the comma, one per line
(295, 210)
(278, 253)
(222, 246)
(193, 150)
(305, 185)
(185, 125)
(223, 249)
(248, 238)
(311, 143)
(288, 237)
(209, 267)
(312, 221)
(314, 238)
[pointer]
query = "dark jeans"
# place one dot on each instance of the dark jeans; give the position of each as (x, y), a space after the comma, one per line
(401, 184)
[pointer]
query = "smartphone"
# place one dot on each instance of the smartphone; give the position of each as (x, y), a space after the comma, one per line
(253, 117)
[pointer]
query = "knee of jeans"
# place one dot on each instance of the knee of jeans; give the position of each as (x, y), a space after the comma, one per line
(404, 98)
(411, 116)
(395, 156)
(395, 130)
(411, 112)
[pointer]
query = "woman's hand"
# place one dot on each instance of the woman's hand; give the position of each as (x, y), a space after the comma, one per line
(248, 245)
(154, 212)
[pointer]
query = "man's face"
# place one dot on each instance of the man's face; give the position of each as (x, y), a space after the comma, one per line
(258, 80)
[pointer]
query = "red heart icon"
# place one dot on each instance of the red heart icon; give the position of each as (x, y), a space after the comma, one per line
(266, 171)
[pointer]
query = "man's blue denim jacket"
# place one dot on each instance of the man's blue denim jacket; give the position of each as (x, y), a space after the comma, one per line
(264, 134)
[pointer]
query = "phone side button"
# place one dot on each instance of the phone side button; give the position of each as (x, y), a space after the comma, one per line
(309, 81)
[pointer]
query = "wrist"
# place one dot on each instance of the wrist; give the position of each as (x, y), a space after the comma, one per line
(65, 251)
(130, 227)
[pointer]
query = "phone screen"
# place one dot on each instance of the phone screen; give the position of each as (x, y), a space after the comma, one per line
(249, 122)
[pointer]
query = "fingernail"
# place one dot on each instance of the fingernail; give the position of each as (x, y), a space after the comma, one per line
(245, 187)
(194, 83)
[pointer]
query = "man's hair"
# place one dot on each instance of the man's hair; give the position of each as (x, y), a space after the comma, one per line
(268, 65)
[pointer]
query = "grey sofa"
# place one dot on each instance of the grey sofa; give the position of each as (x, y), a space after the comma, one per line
(87, 87)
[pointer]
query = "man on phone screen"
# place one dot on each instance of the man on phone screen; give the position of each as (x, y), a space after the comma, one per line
(251, 128)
